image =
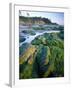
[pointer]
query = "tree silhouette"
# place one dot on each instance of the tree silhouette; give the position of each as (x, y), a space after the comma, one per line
(28, 15)
(19, 12)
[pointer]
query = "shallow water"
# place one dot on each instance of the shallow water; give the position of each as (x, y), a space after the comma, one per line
(29, 38)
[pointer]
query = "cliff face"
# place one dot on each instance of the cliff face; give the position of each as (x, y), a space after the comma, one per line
(33, 20)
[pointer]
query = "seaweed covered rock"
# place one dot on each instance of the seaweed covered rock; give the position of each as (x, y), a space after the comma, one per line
(43, 58)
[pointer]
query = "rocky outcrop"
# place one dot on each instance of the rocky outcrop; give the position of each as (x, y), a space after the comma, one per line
(43, 58)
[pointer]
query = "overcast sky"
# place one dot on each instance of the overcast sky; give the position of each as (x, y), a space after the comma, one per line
(55, 17)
